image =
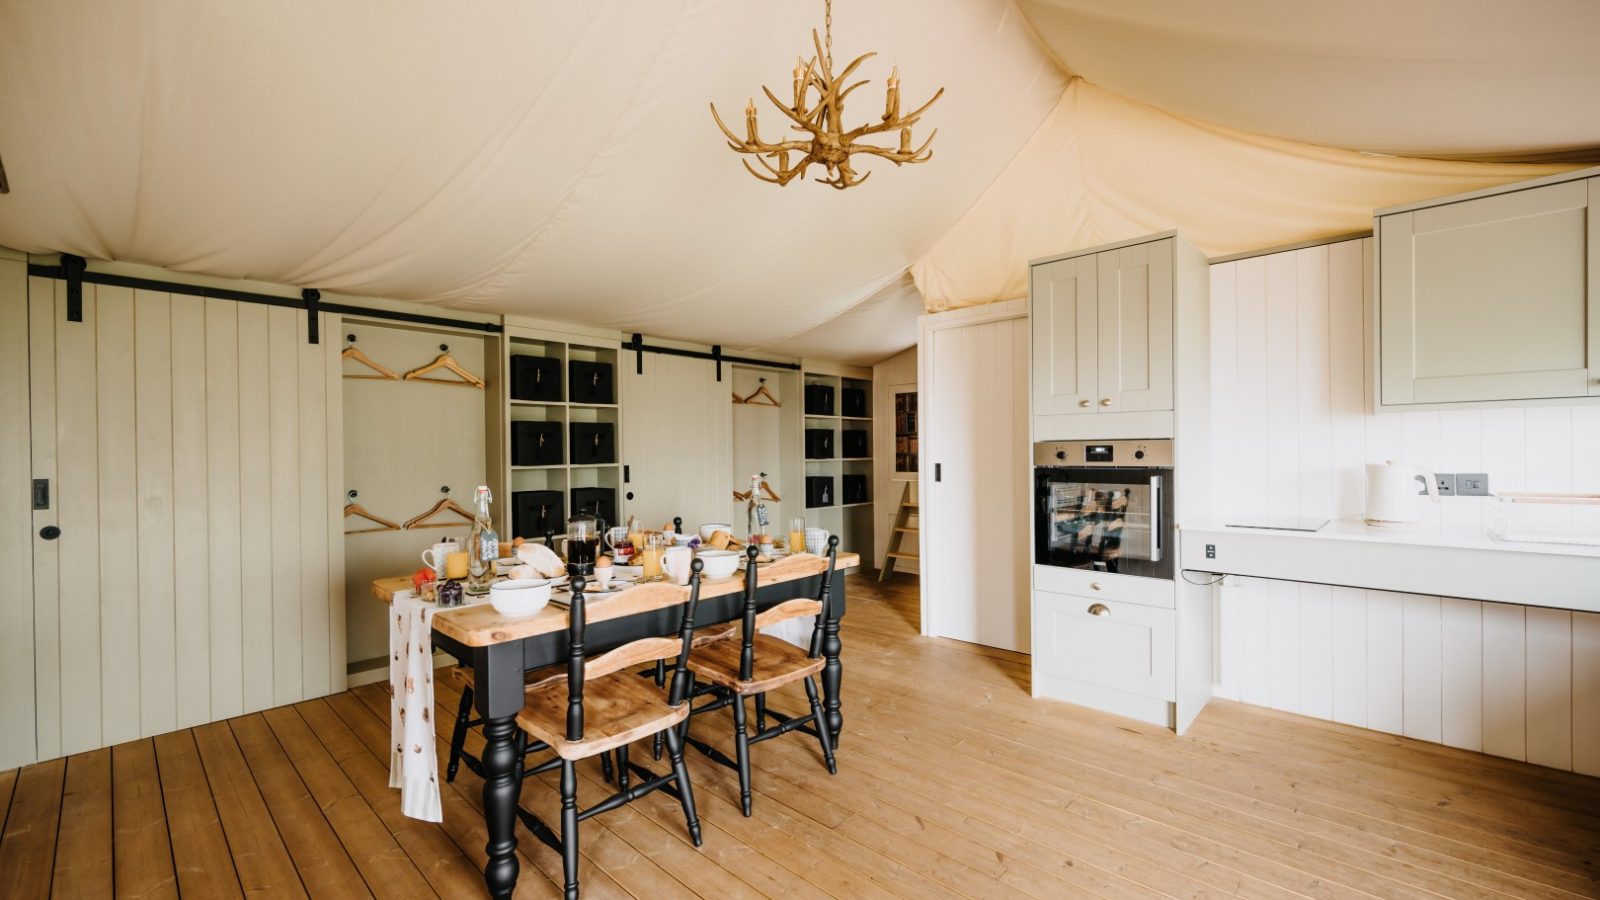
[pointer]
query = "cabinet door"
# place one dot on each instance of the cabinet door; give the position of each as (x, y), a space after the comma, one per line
(1490, 299)
(1135, 328)
(1105, 642)
(1064, 336)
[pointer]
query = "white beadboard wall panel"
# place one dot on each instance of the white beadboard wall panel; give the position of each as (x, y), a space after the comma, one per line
(18, 729)
(155, 609)
(1293, 434)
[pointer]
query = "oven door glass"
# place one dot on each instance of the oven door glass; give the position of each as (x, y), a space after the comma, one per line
(1105, 520)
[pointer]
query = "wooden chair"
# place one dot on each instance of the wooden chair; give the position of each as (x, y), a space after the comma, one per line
(465, 722)
(605, 707)
(756, 663)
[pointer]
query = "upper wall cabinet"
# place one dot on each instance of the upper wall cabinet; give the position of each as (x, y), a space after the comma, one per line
(1102, 331)
(1491, 297)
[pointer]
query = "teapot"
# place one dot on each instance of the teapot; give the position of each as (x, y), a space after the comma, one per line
(1392, 490)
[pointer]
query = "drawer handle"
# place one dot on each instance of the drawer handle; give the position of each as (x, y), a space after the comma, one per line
(1105, 401)
(1099, 609)
(1094, 585)
(1083, 403)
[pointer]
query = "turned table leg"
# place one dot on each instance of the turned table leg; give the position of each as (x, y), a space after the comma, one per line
(497, 672)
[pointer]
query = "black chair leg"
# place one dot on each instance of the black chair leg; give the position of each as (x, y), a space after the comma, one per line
(458, 737)
(822, 726)
(761, 713)
(622, 767)
(605, 767)
(661, 682)
(680, 773)
(569, 827)
(741, 740)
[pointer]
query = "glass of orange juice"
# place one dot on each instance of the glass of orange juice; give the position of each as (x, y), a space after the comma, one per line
(797, 534)
(650, 558)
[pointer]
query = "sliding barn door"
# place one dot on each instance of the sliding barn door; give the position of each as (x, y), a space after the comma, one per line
(677, 435)
(198, 569)
(974, 480)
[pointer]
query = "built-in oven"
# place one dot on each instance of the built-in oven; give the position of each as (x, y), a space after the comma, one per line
(1104, 506)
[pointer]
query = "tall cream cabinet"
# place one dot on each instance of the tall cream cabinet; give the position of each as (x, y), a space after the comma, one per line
(1491, 297)
(1102, 335)
(1120, 350)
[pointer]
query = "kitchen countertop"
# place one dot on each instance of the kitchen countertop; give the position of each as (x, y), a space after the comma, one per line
(1449, 562)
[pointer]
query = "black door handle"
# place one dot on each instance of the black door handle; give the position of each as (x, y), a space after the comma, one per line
(938, 471)
(50, 532)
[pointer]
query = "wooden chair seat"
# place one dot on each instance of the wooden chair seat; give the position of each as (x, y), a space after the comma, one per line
(619, 709)
(777, 663)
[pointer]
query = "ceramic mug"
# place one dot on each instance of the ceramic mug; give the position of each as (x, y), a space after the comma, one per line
(816, 541)
(435, 556)
(675, 561)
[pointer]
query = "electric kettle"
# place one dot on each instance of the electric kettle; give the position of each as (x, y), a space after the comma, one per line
(1392, 491)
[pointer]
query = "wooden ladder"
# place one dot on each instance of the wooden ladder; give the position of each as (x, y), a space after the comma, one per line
(902, 517)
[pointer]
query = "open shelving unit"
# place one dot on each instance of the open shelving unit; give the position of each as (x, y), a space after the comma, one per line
(852, 521)
(567, 475)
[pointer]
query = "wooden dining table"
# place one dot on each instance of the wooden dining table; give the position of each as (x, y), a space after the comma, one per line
(500, 649)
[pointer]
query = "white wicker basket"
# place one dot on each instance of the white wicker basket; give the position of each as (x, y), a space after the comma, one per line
(1545, 518)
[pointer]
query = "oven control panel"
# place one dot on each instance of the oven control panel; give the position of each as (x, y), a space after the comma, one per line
(1155, 453)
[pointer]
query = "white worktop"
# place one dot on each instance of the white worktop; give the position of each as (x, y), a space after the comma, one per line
(1450, 562)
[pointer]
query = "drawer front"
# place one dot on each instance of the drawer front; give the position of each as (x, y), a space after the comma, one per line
(1122, 646)
(1102, 586)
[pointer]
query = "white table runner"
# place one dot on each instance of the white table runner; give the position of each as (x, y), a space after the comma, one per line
(413, 761)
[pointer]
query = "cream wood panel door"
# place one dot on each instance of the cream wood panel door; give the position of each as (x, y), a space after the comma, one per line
(198, 570)
(677, 439)
(1492, 298)
(18, 728)
(1135, 328)
(974, 483)
(1065, 308)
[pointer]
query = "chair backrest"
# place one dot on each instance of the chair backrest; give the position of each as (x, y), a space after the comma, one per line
(788, 609)
(581, 668)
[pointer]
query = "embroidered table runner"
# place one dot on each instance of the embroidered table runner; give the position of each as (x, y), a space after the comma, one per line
(413, 761)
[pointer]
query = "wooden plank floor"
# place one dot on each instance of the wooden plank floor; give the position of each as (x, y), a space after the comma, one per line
(952, 782)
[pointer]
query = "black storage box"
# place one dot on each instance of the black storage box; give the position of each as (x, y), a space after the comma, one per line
(536, 378)
(590, 382)
(819, 400)
(855, 489)
(855, 444)
(819, 491)
(600, 502)
(819, 443)
(593, 443)
(853, 402)
(533, 513)
(536, 443)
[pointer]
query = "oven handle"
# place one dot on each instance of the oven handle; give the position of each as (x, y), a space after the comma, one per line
(1156, 529)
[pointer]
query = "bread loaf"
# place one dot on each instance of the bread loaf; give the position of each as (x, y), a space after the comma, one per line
(720, 540)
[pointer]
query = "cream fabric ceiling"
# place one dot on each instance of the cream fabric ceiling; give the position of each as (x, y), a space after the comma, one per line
(556, 159)
(1411, 77)
(544, 158)
(1105, 168)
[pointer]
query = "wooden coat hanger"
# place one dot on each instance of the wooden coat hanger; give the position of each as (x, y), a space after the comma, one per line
(444, 505)
(447, 362)
(759, 397)
(766, 491)
(355, 509)
(384, 372)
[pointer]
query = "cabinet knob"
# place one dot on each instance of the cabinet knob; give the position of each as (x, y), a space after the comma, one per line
(1099, 609)
(1083, 403)
(1094, 585)
(1105, 401)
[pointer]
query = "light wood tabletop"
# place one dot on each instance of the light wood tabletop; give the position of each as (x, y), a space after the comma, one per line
(479, 625)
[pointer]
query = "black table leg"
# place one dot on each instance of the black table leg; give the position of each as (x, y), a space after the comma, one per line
(832, 671)
(498, 675)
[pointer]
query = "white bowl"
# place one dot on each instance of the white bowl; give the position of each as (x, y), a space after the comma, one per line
(710, 528)
(718, 563)
(519, 597)
(680, 540)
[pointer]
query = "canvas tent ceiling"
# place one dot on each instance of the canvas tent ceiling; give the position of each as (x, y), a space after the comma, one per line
(556, 159)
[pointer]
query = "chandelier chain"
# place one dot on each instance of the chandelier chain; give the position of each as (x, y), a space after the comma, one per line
(827, 29)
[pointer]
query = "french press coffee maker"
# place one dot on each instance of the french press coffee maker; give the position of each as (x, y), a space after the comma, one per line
(583, 543)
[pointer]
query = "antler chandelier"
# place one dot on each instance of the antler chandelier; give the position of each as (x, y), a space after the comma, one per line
(825, 141)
